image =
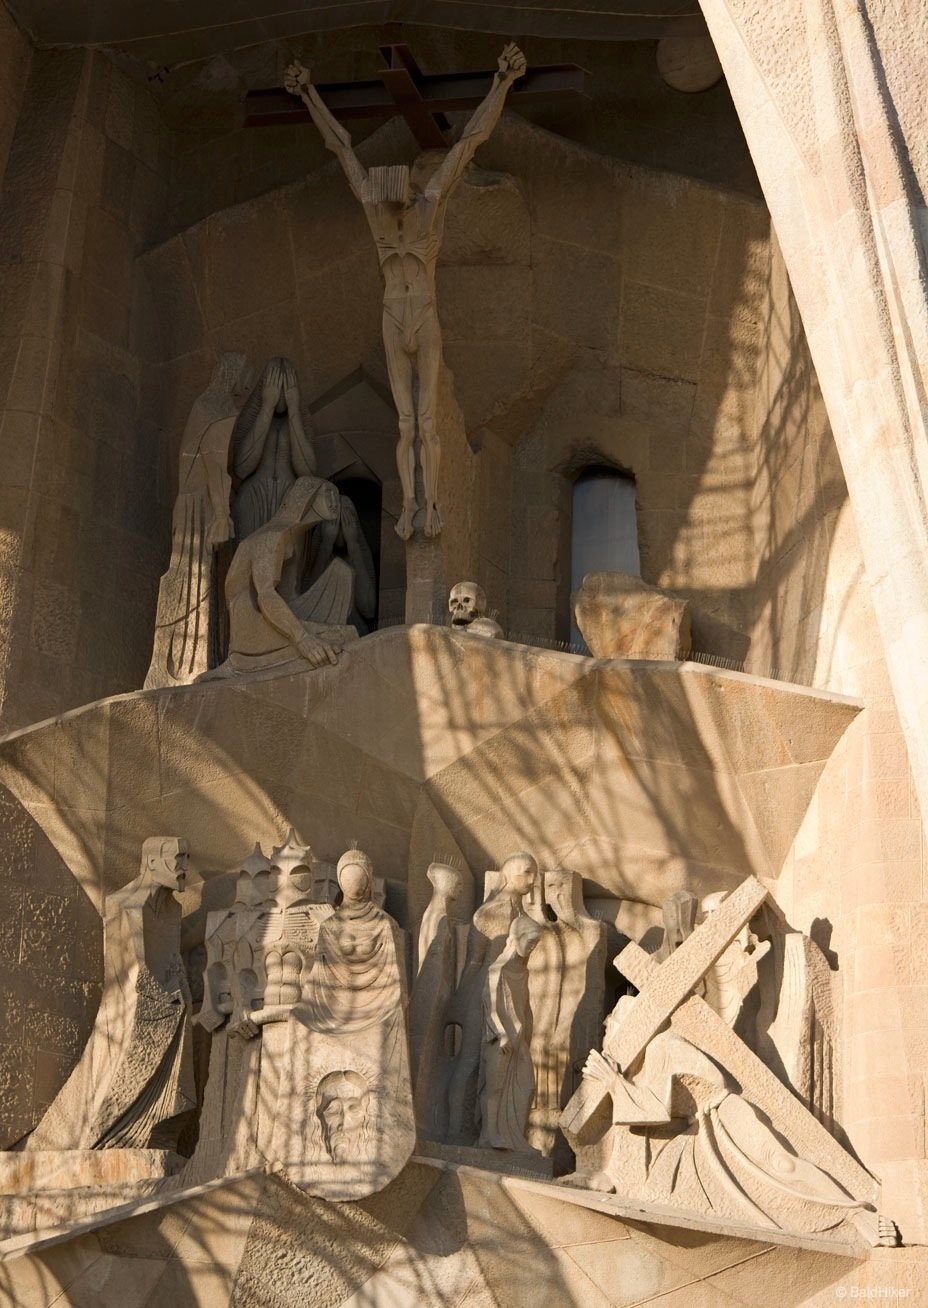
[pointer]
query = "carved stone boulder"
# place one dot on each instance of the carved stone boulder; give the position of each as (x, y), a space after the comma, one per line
(622, 617)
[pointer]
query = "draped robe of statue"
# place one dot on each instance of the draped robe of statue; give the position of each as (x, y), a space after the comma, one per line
(441, 951)
(507, 1074)
(567, 989)
(270, 448)
(684, 1136)
(343, 539)
(485, 942)
(351, 1023)
(189, 625)
(133, 1087)
(264, 630)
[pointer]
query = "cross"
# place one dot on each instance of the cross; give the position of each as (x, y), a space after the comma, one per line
(421, 98)
(666, 992)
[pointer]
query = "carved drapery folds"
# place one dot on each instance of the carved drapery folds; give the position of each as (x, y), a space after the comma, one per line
(710, 1092)
(679, 1111)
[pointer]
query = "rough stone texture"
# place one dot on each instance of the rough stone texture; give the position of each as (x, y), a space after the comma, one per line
(855, 877)
(50, 970)
(506, 742)
(771, 555)
(15, 58)
(80, 526)
(621, 617)
(842, 139)
(454, 1240)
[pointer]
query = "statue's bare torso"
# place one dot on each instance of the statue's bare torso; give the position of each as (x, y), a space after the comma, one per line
(407, 230)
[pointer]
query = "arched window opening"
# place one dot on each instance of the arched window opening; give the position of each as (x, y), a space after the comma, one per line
(604, 528)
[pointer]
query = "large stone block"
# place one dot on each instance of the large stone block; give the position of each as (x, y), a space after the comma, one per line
(621, 616)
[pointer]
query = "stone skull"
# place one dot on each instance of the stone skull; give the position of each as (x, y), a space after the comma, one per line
(466, 603)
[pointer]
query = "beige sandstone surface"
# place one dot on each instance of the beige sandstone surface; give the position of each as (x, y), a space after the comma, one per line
(701, 332)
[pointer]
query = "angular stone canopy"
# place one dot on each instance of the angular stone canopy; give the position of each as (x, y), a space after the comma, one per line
(642, 776)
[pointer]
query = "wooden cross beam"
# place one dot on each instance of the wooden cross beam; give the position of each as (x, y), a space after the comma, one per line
(421, 98)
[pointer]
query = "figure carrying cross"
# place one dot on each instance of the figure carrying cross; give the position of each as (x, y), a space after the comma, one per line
(405, 210)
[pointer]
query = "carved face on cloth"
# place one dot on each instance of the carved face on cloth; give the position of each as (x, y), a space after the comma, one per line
(465, 603)
(342, 1100)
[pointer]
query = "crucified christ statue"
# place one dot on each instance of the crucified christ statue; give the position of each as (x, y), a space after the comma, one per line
(406, 222)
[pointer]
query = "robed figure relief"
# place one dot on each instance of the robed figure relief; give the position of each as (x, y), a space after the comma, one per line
(188, 628)
(266, 631)
(406, 212)
(133, 1087)
(507, 1075)
(270, 448)
(345, 1124)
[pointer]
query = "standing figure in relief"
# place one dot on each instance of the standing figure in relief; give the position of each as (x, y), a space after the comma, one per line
(225, 930)
(406, 215)
(567, 987)
(187, 628)
(226, 1141)
(507, 1076)
(733, 975)
(442, 945)
(270, 448)
(133, 1087)
(485, 943)
(344, 1123)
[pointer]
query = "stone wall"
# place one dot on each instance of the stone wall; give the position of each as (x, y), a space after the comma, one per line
(78, 521)
(78, 568)
(50, 971)
(444, 1238)
(645, 338)
(15, 58)
(855, 877)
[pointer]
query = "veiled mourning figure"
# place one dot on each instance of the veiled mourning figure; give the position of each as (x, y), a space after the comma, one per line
(342, 538)
(507, 1076)
(133, 1086)
(485, 943)
(270, 448)
(345, 1124)
(188, 626)
(440, 957)
(264, 630)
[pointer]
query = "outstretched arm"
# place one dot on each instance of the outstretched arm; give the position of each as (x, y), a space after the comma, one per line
(265, 576)
(510, 66)
(336, 138)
